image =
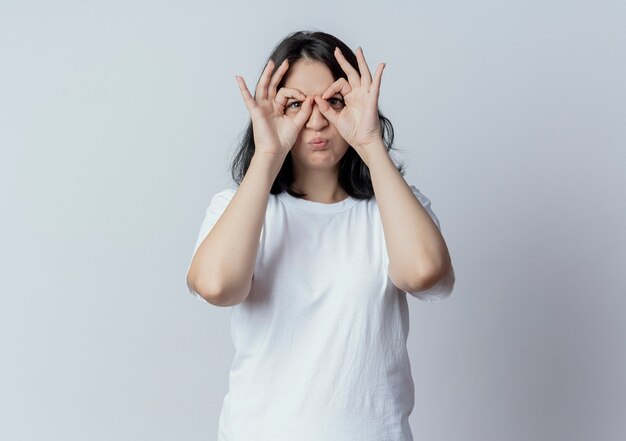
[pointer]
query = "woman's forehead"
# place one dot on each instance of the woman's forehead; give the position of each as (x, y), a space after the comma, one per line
(309, 77)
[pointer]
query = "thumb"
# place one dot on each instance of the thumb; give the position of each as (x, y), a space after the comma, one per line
(329, 113)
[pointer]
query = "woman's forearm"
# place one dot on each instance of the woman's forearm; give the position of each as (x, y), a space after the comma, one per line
(418, 254)
(222, 268)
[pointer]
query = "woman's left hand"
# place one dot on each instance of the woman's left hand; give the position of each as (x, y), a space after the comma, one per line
(358, 121)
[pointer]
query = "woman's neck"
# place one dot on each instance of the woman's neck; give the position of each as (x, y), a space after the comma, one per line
(321, 187)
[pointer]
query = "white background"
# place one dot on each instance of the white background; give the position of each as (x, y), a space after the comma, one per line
(118, 121)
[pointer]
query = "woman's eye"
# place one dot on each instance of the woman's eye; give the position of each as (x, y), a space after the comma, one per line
(294, 105)
(336, 102)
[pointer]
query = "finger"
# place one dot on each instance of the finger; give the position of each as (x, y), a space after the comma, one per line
(366, 76)
(305, 112)
(340, 86)
(377, 79)
(285, 94)
(245, 93)
(329, 113)
(261, 88)
(351, 72)
(277, 77)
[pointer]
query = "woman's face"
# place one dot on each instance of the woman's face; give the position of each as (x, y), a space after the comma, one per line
(313, 78)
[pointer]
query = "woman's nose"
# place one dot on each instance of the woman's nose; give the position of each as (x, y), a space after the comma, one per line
(316, 119)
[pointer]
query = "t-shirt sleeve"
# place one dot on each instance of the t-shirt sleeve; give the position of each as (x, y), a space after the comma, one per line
(216, 207)
(443, 288)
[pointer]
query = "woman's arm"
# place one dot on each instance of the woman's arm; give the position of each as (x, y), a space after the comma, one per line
(418, 254)
(222, 268)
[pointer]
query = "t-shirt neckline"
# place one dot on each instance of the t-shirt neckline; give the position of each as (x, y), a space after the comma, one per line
(318, 207)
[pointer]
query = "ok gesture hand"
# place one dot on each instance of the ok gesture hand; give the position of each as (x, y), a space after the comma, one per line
(274, 132)
(358, 121)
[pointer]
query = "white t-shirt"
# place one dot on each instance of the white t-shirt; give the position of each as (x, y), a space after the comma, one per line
(320, 342)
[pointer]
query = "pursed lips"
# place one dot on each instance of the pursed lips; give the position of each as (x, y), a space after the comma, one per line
(318, 142)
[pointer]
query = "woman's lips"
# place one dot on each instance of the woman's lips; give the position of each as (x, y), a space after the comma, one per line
(318, 143)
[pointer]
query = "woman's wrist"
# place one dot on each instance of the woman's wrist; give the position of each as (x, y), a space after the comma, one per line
(268, 163)
(371, 150)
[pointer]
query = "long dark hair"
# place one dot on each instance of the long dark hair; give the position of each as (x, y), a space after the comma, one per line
(354, 175)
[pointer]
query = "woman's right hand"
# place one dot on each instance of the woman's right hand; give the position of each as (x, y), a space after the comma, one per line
(274, 132)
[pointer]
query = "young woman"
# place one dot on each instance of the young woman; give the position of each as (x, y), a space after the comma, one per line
(315, 249)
